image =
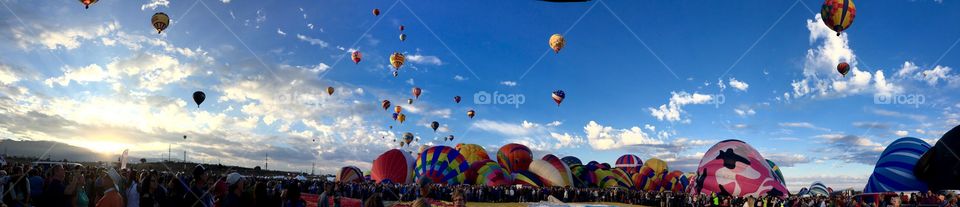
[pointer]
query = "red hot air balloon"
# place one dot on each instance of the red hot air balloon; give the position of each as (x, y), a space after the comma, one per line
(393, 166)
(356, 57)
(514, 157)
(401, 28)
(416, 92)
(843, 68)
(376, 12)
(456, 99)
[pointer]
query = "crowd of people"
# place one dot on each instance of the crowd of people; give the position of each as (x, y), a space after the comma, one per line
(25, 185)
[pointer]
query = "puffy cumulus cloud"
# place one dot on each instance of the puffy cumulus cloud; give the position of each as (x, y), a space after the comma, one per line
(424, 59)
(820, 78)
(744, 111)
(57, 37)
(7, 75)
(539, 137)
(146, 70)
(739, 85)
(635, 138)
(153, 4)
(901, 133)
(932, 77)
(851, 148)
(673, 110)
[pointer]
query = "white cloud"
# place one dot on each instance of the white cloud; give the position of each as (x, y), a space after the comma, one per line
(310, 25)
(673, 110)
(90, 73)
(806, 125)
(554, 123)
(739, 85)
(63, 37)
(154, 4)
(744, 111)
(459, 78)
(508, 83)
(281, 33)
(531, 134)
(424, 59)
(312, 41)
(7, 76)
(902, 133)
(604, 137)
(225, 1)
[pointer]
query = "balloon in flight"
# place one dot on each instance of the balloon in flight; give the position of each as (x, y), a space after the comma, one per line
(557, 42)
(356, 56)
(396, 60)
(558, 96)
(160, 21)
(198, 97)
(838, 14)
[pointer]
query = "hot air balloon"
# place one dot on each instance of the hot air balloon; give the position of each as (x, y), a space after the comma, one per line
(471, 113)
(650, 176)
(385, 104)
(526, 178)
(198, 97)
(558, 96)
(514, 157)
(416, 92)
(489, 173)
(671, 182)
(401, 28)
(622, 177)
(472, 152)
(409, 101)
(893, 172)
(395, 116)
(87, 3)
(571, 161)
(356, 56)
(775, 171)
(160, 21)
(838, 14)
(407, 137)
(376, 12)
(557, 42)
(818, 189)
(396, 59)
(550, 176)
(402, 118)
(629, 163)
(396, 73)
(734, 168)
(397, 109)
(561, 167)
(393, 166)
(434, 125)
(843, 68)
(456, 99)
(329, 90)
(938, 166)
(450, 137)
(585, 174)
(184, 136)
(350, 174)
(403, 37)
(442, 164)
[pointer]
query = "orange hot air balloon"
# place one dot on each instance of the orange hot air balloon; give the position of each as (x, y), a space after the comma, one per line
(401, 118)
(557, 42)
(416, 92)
(87, 3)
(397, 109)
(396, 60)
(356, 57)
(471, 113)
(843, 68)
(329, 90)
(376, 12)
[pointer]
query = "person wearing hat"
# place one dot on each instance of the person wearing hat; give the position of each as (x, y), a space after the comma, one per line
(235, 186)
(111, 197)
(199, 194)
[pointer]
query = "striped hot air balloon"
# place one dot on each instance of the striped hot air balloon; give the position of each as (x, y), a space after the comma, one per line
(561, 167)
(488, 173)
(523, 177)
(472, 152)
(350, 174)
(838, 14)
(514, 157)
(894, 170)
(629, 163)
(442, 164)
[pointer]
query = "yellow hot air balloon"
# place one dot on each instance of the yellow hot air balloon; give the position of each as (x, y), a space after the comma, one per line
(397, 109)
(838, 14)
(557, 42)
(160, 21)
(329, 90)
(396, 59)
(401, 118)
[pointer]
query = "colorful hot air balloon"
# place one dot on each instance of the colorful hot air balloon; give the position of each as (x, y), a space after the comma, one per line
(403, 37)
(843, 68)
(622, 177)
(407, 137)
(557, 42)
(198, 97)
(376, 12)
(817, 188)
(396, 60)
(671, 182)
(87, 3)
(838, 14)
(558, 96)
(550, 175)
(416, 92)
(402, 118)
(385, 104)
(442, 164)
(514, 157)
(893, 172)
(650, 176)
(329, 90)
(629, 163)
(734, 167)
(471, 113)
(397, 109)
(775, 171)
(393, 166)
(450, 137)
(456, 99)
(571, 161)
(356, 56)
(488, 173)
(434, 125)
(472, 152)
(527, 178)
(160, 21)
(561, 167)
(350, 174)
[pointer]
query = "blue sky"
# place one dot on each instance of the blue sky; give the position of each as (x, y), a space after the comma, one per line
(663, 79)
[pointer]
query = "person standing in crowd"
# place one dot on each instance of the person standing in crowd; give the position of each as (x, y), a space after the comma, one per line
(18, 190)
(199, 193)
(111, 197)
(324, 200)
(424, 191)
(458, 199)
(291, 196)
(132, 187)
(54, 193)
(79, 188)
(235, 188)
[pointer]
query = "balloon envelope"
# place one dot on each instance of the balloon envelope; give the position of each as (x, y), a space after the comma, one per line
(442, 165)
(893, 172)
(489, 173)
(350, 174)
(550, 175)
(523, 177)
(629, 163)
(394, 166)
(514, 157)
(472, 152)
(561, 167)
(939, 167)
(838, 14)
(734, 167)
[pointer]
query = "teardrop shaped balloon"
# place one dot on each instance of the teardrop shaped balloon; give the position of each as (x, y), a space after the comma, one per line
(397, 109)
(401, 118)
(356, 56)
(401, 28)
(198, 97)
(409, 101)
(416, 92)
(471, 113)
(395, 116)
(396, 73)
(407, 137)
(385, 104)
(557, 42)
(450, 137)
(434, 125)
(184, 136)
(396, 59)
(87, 3)
(160, 21)
(403, 37)
(456, 99)
(329, 90)
(376, 12)
(838, 14)
(843, 68)
(558, 96)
